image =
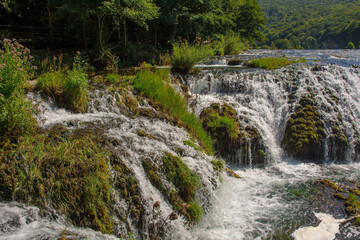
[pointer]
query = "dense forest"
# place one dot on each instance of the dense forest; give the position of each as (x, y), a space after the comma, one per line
(129, 31)
(312, 24)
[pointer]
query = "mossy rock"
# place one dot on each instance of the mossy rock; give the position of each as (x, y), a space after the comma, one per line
(222, 123)
(235, 61)
(339, 196)
(304, 136)
(331, 184)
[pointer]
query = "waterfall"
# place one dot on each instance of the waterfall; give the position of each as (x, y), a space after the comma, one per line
(266, 99)
(278, 192)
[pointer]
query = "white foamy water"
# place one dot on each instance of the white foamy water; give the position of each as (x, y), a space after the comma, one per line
(267, 202)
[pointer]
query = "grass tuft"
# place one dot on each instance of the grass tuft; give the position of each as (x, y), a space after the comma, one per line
(153, 86)
(272, 63)
(185, 56)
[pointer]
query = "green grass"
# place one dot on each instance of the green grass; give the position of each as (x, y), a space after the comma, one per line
(67, 89)
(113, 77)
(70, 175)
(214, 120)
(185, 56)
(153, 86)
(192, 144)
(272, 63)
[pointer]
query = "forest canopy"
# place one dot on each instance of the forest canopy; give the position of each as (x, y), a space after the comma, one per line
(312, 24)
(128, 29)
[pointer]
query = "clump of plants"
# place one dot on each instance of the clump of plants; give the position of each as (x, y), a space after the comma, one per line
(152, 85)
(185, 56)
(69, 89)
(272, 63)
(220, 122)
(185, 183)
(15, 69)
(304, 134)
(229, 44)
(235, 61)
(69, 174)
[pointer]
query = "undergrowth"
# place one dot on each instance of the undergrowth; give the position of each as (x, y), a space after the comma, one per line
(69, 89)
(70, 175)
(153, 86)
(185, 56)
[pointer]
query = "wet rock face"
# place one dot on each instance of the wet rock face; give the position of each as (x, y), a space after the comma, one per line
(304, 134)
(238, 144)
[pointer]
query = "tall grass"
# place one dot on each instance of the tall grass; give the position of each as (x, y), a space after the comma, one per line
(153, 86)
(185, 56)
(68, 89)
(70, 175)
(229, 44)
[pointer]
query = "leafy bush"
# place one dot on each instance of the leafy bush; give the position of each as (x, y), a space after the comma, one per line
(234, 45)
(15, 68)
(153, 86)
(185, 56)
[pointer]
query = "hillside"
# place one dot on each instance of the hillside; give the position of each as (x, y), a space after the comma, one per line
(312, 23)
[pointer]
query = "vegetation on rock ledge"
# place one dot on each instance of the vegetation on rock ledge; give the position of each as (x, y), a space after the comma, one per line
(304, 134)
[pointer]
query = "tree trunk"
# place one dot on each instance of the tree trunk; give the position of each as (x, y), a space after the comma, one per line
(50, 25)
(100, 29)
(125, 33)
(83, 30)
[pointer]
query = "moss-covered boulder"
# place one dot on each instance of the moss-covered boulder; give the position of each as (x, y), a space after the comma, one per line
(237, 144)
(173, 178)
(304, 134)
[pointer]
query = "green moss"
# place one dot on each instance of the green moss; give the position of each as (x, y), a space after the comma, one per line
(195, 212)
(357, 221)
(235, 61)
(192, 144)
(339, 196)
(142, 133)
(186, 181)
(272, 63)
(153, 86)
(71, 175)
(218, 166)
(304, 134)
(331, 184)
(151, 172)
(113, 77)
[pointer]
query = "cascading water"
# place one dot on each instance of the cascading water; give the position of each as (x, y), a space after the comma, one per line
(265, 204)
(270, 202)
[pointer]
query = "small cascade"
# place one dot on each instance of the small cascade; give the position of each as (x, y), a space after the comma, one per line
(266, 100)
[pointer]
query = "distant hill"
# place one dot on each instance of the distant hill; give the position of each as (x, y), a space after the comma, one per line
(312, 23)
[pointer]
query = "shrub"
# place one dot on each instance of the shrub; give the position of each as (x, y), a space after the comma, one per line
(67, 89)
(235, 61)
(185, 56)
(153, 86)
(234, 45)
(15, 68)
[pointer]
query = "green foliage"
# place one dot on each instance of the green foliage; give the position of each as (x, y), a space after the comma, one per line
(15, 68)
(68, 89)
(312, 24)
(272, 63)
(195, 212)
(223, 122)
(218, 165)
(185, 56)
(304, 134)
(69, 174)
(186, 181)
(191, 143)
(153, 86)
(350, 45)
